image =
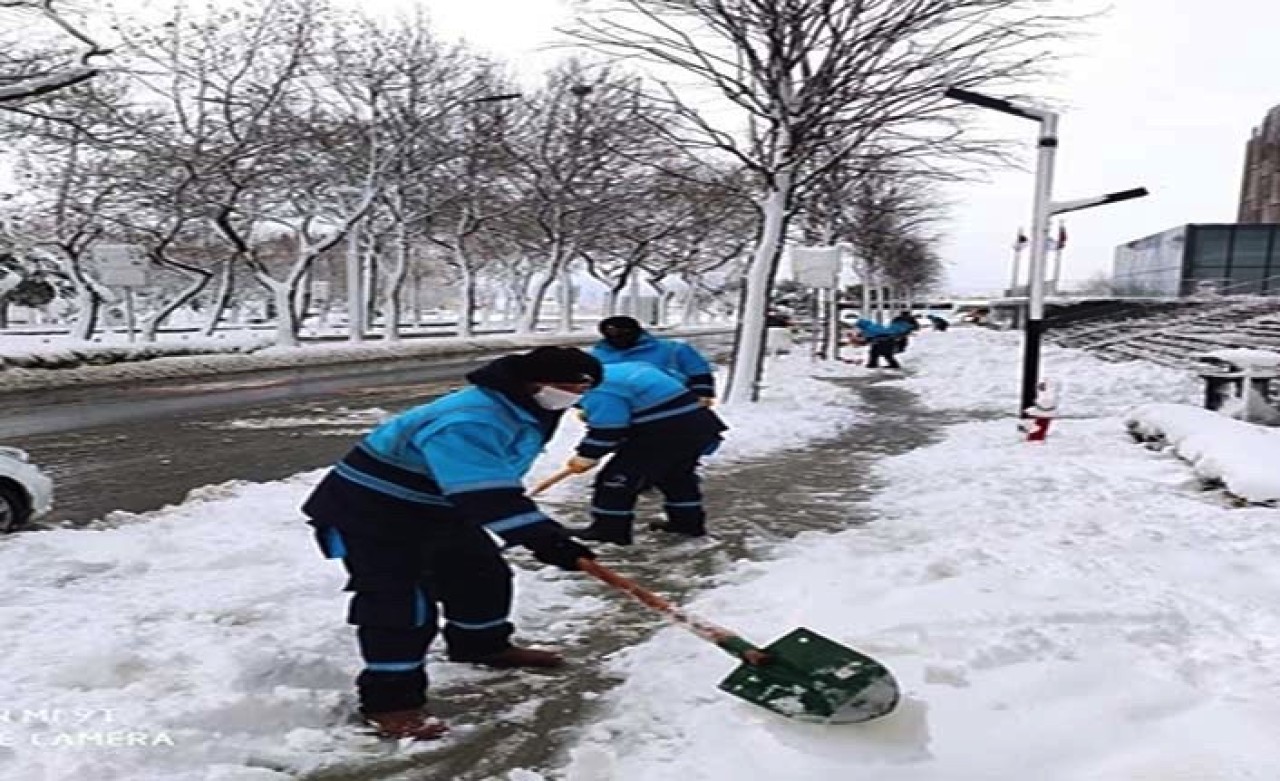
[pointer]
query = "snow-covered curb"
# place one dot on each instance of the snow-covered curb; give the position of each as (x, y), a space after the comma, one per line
(1242, 457)
(212, 633)
(68, 354)
(19, 379)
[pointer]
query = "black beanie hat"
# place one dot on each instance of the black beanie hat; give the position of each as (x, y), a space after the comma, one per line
(559, 364)
(621, 322)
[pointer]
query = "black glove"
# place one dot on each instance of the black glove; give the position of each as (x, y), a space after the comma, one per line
(562, 552)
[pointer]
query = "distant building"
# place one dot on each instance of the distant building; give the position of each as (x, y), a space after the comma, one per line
(1230, 259)
(1260, 187)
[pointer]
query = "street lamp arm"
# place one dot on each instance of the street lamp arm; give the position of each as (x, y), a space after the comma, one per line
(996, 104)
(1062, 207)
(496, 98)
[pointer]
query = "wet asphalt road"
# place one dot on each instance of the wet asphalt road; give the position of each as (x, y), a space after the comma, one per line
(143, 465)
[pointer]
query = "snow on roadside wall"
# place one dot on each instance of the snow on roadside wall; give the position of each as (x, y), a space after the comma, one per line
(26, 353)
(16, 379)
(1242, 456)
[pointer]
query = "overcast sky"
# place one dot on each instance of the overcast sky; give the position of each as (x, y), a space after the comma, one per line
(1163, 94)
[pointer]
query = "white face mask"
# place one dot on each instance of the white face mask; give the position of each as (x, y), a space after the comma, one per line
(554, 398)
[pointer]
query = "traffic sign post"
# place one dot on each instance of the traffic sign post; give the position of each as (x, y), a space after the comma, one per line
(818, 268)
(126, 266)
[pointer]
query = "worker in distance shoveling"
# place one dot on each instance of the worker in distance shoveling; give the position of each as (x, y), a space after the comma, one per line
(409, 511)
(658, 431)
(625, 340)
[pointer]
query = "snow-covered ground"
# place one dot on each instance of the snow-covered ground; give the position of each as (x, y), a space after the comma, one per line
(206, 641)
(1071, 610)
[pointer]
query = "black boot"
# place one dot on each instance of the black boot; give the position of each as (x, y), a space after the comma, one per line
(687, 529)
(515, 657)
(617, 532)
(413, 724)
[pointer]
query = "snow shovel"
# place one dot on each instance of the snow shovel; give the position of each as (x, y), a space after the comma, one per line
(556, 477)
(802, 676)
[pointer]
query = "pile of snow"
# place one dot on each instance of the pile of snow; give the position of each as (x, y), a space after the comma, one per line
(209, 636)
(1243, 457)
(980, 370)
(207, 640)
(1062, 612)
(1264, 360)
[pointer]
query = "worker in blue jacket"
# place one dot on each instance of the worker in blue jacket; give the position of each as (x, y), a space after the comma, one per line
(657, 430)
(883, 341)
(626, 340)
(411, 511)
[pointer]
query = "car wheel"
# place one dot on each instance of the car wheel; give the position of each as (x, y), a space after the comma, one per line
(14, 512)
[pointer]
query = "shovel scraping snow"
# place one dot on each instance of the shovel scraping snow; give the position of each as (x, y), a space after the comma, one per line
(802, 675)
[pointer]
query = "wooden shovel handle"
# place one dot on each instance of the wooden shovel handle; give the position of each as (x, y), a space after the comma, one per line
(563, 473)
(727, 640)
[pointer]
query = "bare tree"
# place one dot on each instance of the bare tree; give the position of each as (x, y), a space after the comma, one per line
(618, 252)
(571, 160)
(890, 218)
(477, 200)
(70, 220)
(25, 77)
(815, 81)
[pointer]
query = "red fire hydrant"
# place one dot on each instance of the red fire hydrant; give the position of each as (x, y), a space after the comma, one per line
(1038, 417)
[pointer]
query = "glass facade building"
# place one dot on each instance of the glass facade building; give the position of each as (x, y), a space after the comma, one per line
(1230, 259)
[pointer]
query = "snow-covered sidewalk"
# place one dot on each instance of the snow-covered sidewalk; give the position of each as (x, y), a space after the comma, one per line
(1076, 610)
(206, 641)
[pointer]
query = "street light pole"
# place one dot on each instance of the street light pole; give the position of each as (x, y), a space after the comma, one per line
(1047, 153)
(1044, 209)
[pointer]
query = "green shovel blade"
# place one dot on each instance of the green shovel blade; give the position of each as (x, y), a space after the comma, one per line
(811, 678)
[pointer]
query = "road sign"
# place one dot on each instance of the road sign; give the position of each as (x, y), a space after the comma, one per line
(121, 265)
(816, 267)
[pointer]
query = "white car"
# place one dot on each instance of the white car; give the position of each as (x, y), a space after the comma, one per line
(25, 491)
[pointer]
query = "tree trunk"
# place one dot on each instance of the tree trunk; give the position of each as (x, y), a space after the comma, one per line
(89, 296)
(664, 306)
(690, 315)
(151, 326)
(415, 298)
(866, 295)
(395, 284)
(610, 302)
(87, 317)
(371, 284)
(533, 307)
(282, 294)
(748, 349)
(466, 294)
(566, 298)
(226, 283)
